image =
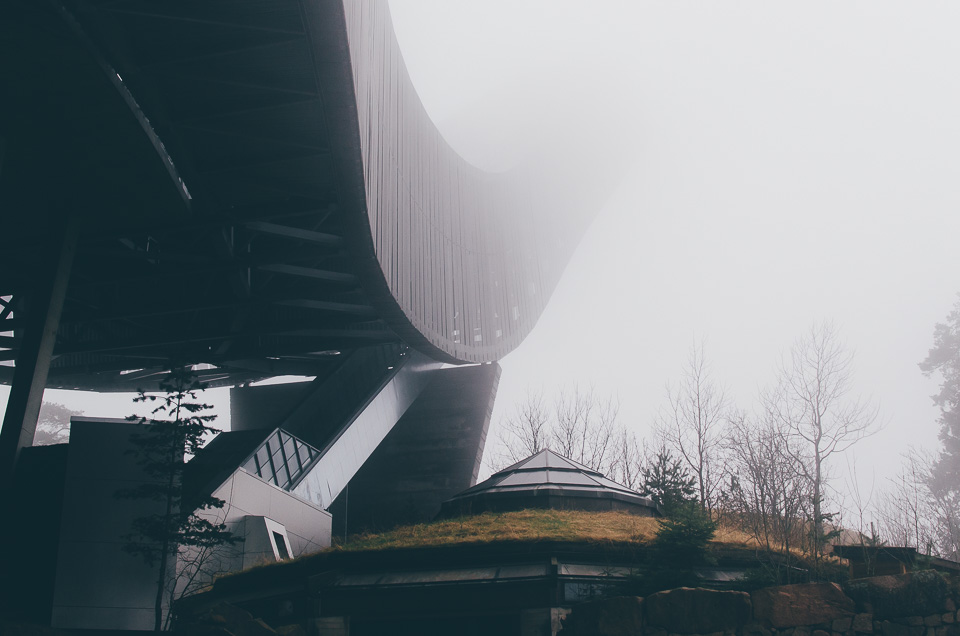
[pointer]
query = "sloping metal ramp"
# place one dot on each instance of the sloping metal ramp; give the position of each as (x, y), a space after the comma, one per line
(345, 415)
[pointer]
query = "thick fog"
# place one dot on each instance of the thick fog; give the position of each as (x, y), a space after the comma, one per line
(787, 164)
(779, 164)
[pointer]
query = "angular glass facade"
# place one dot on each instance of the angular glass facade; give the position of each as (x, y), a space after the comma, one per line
(282, 460)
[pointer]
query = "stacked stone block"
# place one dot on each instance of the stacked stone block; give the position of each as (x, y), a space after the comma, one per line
(917, 604)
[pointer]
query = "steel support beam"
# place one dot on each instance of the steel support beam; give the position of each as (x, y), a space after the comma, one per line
(33, 359)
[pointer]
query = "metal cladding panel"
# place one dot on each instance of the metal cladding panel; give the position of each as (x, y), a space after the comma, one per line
(469, 258)
(342, 456)
(274, 158)
(432, 453)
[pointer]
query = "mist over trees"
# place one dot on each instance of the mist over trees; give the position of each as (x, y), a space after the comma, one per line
(693, 423)
(578, 424)
(819, 418)
(53, 424)
(923, 506)
(769, 470)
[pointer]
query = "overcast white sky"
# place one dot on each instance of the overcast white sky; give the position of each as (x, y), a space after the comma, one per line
(792, 162)
(789, 162)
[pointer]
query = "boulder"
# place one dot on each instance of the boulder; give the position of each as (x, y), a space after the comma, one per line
(862, 623)
(256, 627)
(896, 595)
(841, 624)
(695, 610)
(802, 604)
(617, 616)
(217, 620)
(224, 614)
(893, 629)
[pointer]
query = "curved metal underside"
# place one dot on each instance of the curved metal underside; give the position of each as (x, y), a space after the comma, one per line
(257, 187)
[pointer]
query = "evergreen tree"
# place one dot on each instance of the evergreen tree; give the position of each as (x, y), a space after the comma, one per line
(944, 358)
(682, 544)
(665, 480)
(53, 424)
(176, 429)
(683, 539)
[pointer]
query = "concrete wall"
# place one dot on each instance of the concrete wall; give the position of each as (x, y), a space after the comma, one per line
(97, 583)
(100, 586)
(254, 510)
(307, 526)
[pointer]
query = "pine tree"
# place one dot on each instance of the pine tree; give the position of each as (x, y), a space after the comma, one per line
(176, 429)
(667, 481)
(944, 358)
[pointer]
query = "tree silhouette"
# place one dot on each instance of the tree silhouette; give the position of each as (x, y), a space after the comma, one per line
(176, 429)
(665, 480)
(944, 358)
(53, 424)
(943, 479)
(813, 402)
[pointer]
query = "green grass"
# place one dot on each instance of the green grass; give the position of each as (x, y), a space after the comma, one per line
(526, 525)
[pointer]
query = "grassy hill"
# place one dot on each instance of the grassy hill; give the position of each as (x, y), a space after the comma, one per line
(528, 525)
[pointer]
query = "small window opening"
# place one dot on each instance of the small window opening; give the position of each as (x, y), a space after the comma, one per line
(281, 546)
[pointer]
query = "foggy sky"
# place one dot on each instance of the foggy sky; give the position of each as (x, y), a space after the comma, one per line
(786, 163)
(790, 163)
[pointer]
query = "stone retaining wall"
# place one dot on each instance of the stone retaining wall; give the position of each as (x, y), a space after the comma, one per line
(918, 604)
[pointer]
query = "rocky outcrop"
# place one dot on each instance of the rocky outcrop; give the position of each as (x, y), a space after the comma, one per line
(226, 620)
(688, 610)
(919, 604)
(916, 594)
(618, 616)
(801, 605)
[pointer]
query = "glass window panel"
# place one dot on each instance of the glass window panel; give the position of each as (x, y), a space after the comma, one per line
(555, 461)
(305, 454)
(537, 461)
(277, 454)
(564, 477)
(290, 450)
(274, 465)
(263, 460)
(523, 479)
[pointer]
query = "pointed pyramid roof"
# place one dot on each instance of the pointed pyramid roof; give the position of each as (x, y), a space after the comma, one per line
(548, 480)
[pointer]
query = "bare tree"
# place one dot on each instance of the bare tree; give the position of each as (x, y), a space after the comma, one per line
(584, 427)
(197, 567)
(526, 432)
(628, 459)
(945, 505)
(918, 513)
(857, 508)
(767, 493)
(693, 424)
(578, 425)
(812, 402)
(906, 515)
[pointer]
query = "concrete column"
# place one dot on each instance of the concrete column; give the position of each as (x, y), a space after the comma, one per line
(45, 303)
(542, 621)
(331, 626)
